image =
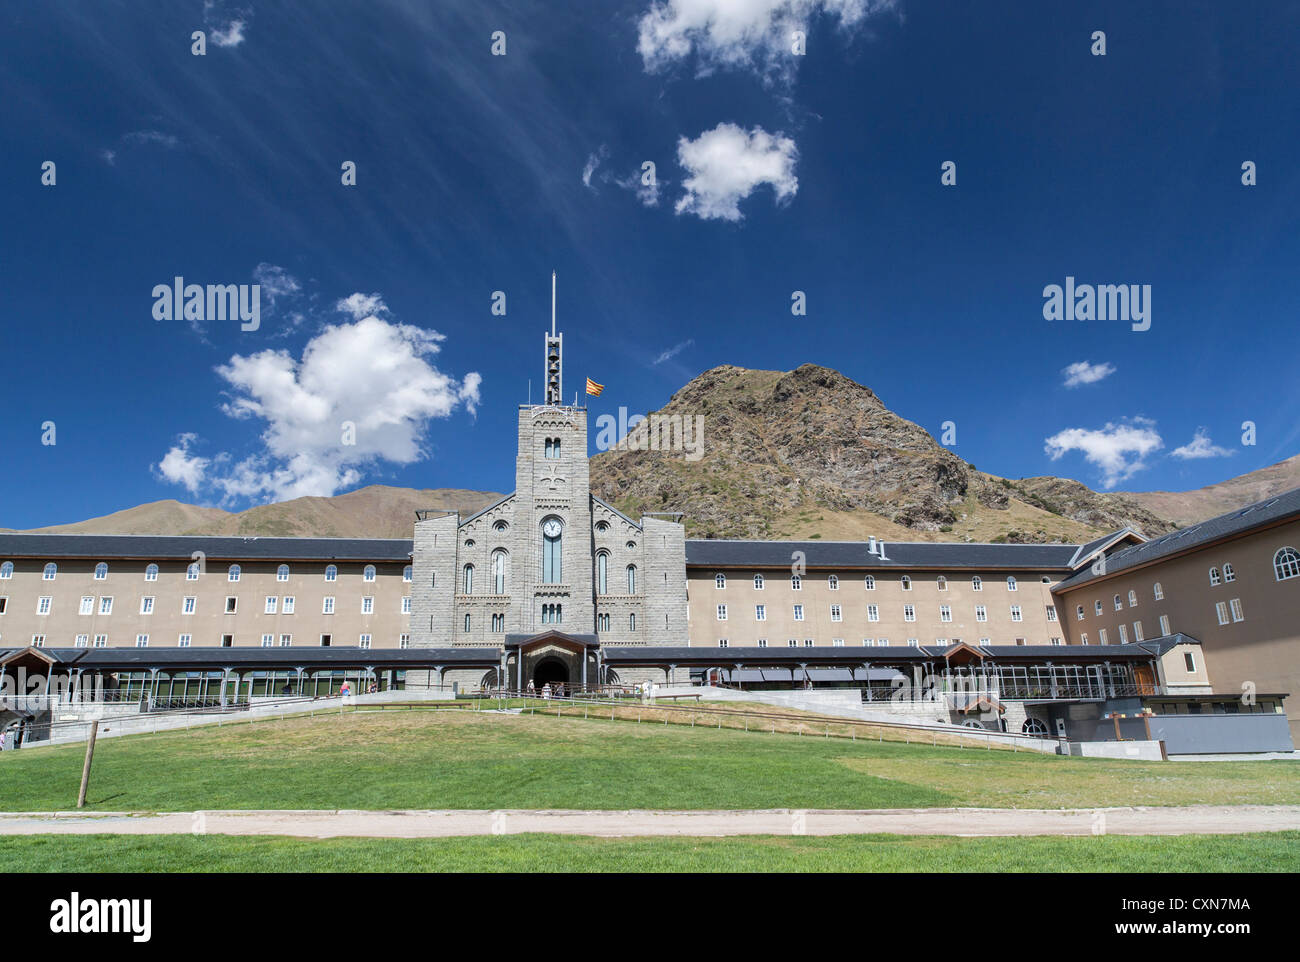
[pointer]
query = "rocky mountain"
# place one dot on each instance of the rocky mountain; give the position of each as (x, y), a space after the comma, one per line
(800, 454)
(810, 453)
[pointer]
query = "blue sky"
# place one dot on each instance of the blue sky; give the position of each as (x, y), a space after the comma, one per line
(775, 173)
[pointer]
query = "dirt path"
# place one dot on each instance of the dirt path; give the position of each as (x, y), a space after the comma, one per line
(1192, 820)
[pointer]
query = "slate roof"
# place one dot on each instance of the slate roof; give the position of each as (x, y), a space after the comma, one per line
(155, 547)
(1257, 515)
(853, 554)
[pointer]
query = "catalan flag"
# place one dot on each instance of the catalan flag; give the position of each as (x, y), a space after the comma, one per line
(593, 388)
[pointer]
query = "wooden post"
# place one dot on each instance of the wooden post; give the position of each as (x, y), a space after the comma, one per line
(85, 769)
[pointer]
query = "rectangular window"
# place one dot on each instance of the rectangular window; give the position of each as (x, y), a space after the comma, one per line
(325, 641)
(873, 613)
(142, 641)
(1083, 638)
(81, 641)
(1015, 613)
(981, 613)
(798, 612)
(837, 642)
(364, 641)
(271, 602)
(87, 605)
(232, 604)
(1101, 636)
(106, 605)
(1051, 612)
(836, 614)
(945, 613)
(188, 605)
(404, 641)
(183, 641)
(913, 642)
(909, 613)
(1237, 613)
(38, 641)
(808, 642)
(101, 641)
(146, 605)
(722, 612)
(43, 605)
(1189, 660)
(368, 605)
(1164, 625)
(723, 642)
(406, 604)
(227, 641)
(760, 612)
(286, 641)
(1137, 631)
(327, 605)
(1221, 609)
(1123, 635)
(287, 607)
(762, 642)
(268, 641)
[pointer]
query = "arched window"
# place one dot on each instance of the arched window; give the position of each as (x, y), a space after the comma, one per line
(331, 573)
(498, 572)
(368, 574)
(467, 622)
(500, 526)
(870, 582)
(602, 526)
(602, 573)
(1286, 564)
(977, 583)
(631, 579)
(942, 583)
(833, 583)
(406, 573)
(906, 582)
(192, 572)
(631, 621)
(233, 573)
(758, 582)
(6, 571)
(1214, 576)
(1011, 583)
(151, 573)
(1119, 603)
(101, 571)
(552, 551)
(796, 583)
(1132, 598)
(1079, 613)
(282, 573)
(719, 581)
(51, 570)
(468, 586)
(1158, 591)
(1228, 573)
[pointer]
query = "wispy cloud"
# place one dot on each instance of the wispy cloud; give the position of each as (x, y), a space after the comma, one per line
(1082, 372)
(673, 351)
(225, 29)
(1118, 450)
(1200, 446)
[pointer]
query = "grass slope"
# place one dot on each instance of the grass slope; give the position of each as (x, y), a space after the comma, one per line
(1277, 852)
(468, 760)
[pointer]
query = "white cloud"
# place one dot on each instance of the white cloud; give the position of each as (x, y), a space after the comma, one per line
(673, 351)
(1200, 447)
(1117, 449)
(593, 161)
(1082, 372)
(751, 34)
(362, 305)
(275, 282)
(372, 374)
(180, 467)
(230, 35)
(170, 141)
(726, 165)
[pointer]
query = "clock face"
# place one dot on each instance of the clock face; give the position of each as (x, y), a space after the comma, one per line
(551, 529)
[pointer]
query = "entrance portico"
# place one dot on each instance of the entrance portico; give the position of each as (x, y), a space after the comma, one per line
(552, 657)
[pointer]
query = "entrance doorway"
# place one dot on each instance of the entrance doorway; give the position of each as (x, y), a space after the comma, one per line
(550, 671)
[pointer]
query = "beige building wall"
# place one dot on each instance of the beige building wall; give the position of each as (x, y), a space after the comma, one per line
(930, 591)
(1261, 649)
(210, 623)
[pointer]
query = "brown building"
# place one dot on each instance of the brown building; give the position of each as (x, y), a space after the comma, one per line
(1232, 583)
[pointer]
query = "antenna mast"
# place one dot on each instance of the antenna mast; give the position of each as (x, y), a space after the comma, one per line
(552, 303)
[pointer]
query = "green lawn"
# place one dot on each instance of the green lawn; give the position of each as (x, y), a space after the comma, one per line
(1278, 852)
(471, 760)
